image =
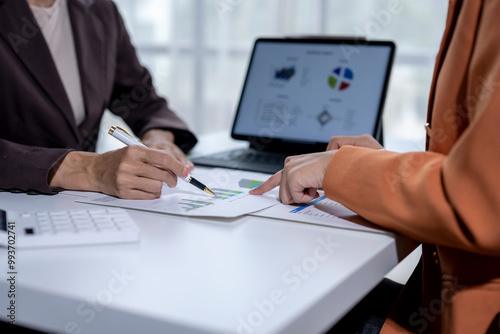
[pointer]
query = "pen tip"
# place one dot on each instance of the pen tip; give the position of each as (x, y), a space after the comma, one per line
(210, 192)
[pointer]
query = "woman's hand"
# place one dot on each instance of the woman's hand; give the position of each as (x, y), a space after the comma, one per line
(300, 178)
(362, 141)
(303, 175)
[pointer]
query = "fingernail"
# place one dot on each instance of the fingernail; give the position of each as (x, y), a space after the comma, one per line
(185, 172)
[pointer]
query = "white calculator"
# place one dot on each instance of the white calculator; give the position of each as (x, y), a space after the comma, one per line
(67, 228)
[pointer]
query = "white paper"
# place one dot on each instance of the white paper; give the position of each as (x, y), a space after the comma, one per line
(187, 200)
(233, 186)
(321, 211)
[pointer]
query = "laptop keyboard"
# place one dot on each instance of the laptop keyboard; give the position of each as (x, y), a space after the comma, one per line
(253, 156)
(245, 159)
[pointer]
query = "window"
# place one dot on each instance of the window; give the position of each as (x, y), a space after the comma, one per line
(198, 50)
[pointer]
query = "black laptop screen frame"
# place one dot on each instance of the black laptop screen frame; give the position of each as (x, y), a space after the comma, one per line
(289, 146)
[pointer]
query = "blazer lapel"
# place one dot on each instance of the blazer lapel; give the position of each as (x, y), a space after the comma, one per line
(89, 36)
(19, 28)
(453, 11)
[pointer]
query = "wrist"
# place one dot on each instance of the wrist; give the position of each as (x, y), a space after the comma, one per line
(158, 134)
(74, 171)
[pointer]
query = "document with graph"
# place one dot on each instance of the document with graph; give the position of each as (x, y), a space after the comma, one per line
(320, 211)
(232, 198)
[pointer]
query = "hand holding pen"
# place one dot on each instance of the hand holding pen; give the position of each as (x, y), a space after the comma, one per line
(164, 140)
(129, 140)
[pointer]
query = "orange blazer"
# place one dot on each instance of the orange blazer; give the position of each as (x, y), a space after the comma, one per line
(448, 198)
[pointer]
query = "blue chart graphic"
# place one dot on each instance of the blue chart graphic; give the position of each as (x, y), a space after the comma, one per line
(189, 205)
(194, 203)
(225, 193)
(314, 201)
(285, 73)
(344, 78)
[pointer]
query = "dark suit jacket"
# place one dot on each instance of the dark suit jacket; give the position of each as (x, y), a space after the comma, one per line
(37, 126)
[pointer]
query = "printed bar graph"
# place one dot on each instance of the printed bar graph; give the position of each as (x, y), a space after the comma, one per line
(308, 204)
(249, 184)
(186, 201)
(190, 205)
(225, 193)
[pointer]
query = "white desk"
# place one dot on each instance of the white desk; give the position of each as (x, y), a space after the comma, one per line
(246, 275)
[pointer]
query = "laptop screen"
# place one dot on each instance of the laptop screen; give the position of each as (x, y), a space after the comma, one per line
(306, 91)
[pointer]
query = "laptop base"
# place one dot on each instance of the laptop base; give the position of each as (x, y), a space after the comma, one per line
(244, 159)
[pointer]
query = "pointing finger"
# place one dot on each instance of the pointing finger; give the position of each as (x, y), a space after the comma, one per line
(270, 184)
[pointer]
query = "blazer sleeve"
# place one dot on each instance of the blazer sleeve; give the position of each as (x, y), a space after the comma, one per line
(134, 97)
(26, 167)
(451, 200)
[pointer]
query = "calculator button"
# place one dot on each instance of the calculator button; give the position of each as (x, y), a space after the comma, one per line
(81, 221)
(101, 219)
(104, 223)
(79, 216)
(126, 225)
(57, 220)
(61, 223)
(58, 213)
(45, 230)
(60, 226)
(85, 225)
(78, 212)
(97, 211)
(65, 232)
(122, 218)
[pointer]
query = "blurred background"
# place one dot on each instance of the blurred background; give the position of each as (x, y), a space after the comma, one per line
(198, 51)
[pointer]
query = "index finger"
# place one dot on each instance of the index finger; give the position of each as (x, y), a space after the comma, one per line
(177, 152)
(164, 160)
(270, 184)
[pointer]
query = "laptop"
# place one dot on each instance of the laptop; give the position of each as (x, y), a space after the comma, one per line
(298, 93)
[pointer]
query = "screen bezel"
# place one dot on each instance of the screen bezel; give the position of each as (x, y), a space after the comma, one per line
(285, 145)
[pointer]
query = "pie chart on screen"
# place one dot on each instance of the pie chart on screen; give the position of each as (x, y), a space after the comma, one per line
(340, 78)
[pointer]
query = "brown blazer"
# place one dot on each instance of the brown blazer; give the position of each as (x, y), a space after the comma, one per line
(37, 127)
(449, 197)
